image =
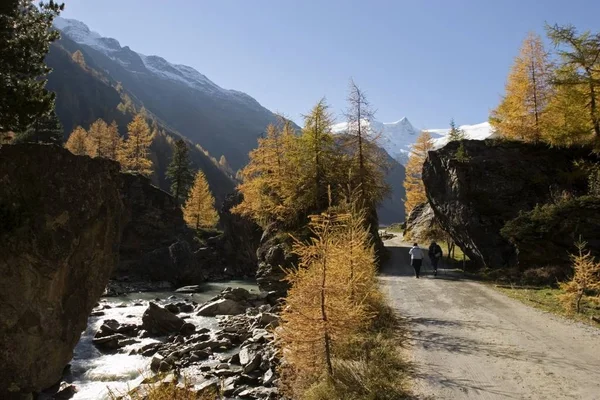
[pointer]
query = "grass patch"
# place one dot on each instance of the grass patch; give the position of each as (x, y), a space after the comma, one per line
(547, 299)
(396, 228)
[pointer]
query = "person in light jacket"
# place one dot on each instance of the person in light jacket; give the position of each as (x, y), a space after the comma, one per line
(416, 258)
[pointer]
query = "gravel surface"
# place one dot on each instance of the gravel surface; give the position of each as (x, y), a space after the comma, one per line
(469, 341)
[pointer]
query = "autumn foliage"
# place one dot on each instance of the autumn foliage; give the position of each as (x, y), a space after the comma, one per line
(585, 281)
(199, 211)
(413, 183)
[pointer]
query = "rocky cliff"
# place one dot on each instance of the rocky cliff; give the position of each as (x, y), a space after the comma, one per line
(61, 218)
(157, 245)
(475, 196)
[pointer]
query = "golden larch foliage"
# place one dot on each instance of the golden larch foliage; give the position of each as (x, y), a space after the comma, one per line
(521, 113)
(98, 138)
(326, 304)
(79, 142)
(199, 211)
(113, 141)
(135, 152)
(586, 279)
(413, 182)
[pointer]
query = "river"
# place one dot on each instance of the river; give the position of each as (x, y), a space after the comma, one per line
(96, 374)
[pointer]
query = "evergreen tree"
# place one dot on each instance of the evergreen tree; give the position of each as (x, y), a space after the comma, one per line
(521, 112)
(25, 37)
(199, 211)
(45, 129)
(580, 67)
(180, 172)
(413, 182)
(134, 154)
(455, 132)
(78, 142)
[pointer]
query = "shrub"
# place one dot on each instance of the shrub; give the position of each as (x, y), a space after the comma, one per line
(586, 280)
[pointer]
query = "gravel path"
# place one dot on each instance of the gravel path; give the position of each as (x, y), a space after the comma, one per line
(470, 342)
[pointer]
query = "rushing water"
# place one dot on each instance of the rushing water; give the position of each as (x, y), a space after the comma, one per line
(97, 374)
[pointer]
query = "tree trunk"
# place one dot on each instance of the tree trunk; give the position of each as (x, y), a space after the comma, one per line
(324, 316)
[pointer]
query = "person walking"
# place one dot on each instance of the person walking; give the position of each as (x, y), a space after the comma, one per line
(416, 259)
(435, 255)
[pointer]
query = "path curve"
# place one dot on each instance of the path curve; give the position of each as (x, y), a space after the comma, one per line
(469, 341)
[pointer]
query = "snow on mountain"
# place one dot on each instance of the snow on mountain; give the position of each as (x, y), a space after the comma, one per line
(397, 138)
(475, 132)
(157, 66)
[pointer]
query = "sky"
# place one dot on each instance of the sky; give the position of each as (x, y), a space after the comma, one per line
(427, 60)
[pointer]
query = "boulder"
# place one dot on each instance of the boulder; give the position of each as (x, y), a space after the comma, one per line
(473, 199)
(61, 218)
(274, 254)
(420, 223)
(159, 321)
(222, 307)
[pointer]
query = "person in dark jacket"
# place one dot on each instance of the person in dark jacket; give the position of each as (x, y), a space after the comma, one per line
(435, 255)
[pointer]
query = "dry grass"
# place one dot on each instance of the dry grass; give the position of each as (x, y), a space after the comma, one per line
(548, 299)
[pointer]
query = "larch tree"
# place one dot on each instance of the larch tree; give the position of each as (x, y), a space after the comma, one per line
(316, 142)
(521, 113)
(180, 172)
(78, 58)
(413, 182)
(262, 180)
(321, 309)
(79, 142)
(566, 118)
(586, 279)
(199, 211)
(25, 37)
(367, 166)
(113, 141)
(98, 133)
(579, 67)
(134, 155)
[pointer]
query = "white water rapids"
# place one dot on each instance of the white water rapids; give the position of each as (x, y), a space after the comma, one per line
(96, 374)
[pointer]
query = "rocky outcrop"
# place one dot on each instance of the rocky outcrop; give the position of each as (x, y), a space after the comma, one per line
(420, 223)
(61, 218)
(473, 198)
(157, 245)
(274, 255)
(160, 321)
(240, 239)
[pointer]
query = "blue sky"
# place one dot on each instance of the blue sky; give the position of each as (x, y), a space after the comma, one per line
(428, 60)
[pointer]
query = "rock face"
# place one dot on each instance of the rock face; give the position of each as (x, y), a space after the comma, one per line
(275, 252)
(419, 222)
(61, 218)
(156, 243)
(474, 199)
(159, 321)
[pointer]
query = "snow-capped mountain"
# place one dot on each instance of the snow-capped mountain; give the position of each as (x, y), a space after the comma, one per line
(161, 68)
(397, 138)
(224, 122)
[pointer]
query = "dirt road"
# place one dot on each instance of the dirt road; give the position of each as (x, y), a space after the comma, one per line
(470, 342)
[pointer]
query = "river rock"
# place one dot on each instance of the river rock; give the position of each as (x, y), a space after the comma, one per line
(189, 289)
(159, 321)
(473, 199)
(222, 307)
(111, 342)
(187, 329)
(61, 218)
